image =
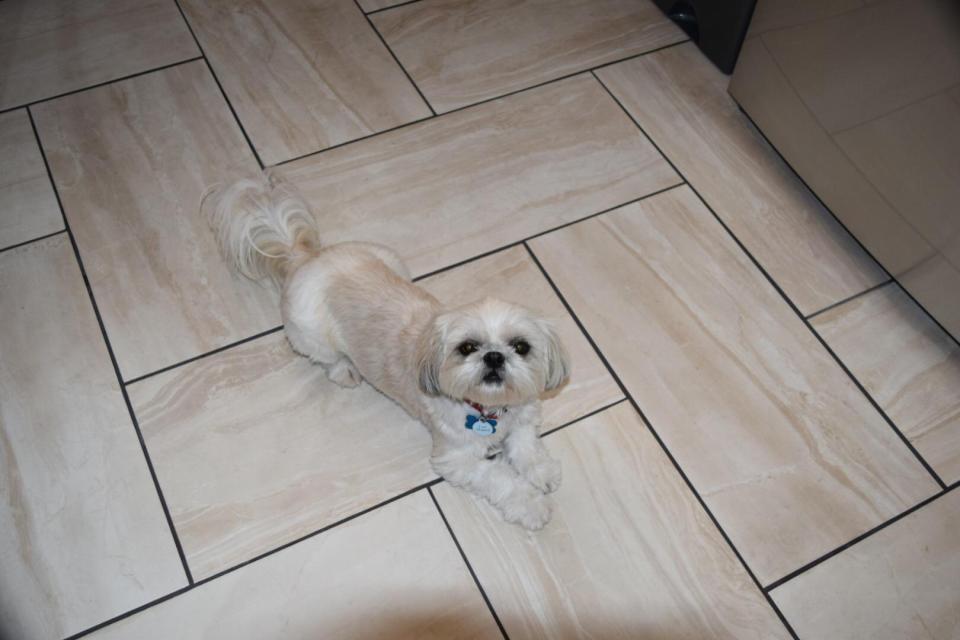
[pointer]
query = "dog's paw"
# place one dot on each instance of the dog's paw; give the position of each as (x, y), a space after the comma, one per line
(543, 473)
(343, 373)
(528, 508)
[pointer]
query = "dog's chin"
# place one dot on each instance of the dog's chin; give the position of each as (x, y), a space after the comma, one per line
(494, 390)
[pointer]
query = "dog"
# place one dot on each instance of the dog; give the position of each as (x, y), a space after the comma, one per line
(473, 374)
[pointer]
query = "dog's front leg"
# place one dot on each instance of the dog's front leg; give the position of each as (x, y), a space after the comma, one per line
(525, 451)
(494, 480)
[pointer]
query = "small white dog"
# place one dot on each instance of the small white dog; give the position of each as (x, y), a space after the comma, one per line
(472, 374)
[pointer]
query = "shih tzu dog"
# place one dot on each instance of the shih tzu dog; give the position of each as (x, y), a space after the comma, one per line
(472, 374)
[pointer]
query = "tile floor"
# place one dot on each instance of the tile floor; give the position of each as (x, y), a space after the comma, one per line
(761, 437)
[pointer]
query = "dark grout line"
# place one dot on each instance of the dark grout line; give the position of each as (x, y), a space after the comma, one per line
(100, 84)
(473, 573)
(219, 86)
(211, 578)
(205, 354)
(517, 243)
(32, 240)
(850, 298)
(481, 102)
(955, 339)
(656, 436)
(198, 583)
(395, 58)
(113, 358)
(393, 6)
(786, 298)
(863, 536)
(589, 414)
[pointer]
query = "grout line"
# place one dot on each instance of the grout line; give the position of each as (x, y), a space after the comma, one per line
(203, 581)
(205, 354)
(393, 6)
(810, 565)
(516, 243)
(955, 339)
(219, 86)
(850, 298)
(473, 574)
(100, 84)
(416, 279)
(211, 578)
(484, 101)
(656, 436)
(395, 58)
(32, 240)
(113, 358)
(589, 414)
(786, 298)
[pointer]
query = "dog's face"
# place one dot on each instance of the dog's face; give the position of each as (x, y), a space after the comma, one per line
(491, 352)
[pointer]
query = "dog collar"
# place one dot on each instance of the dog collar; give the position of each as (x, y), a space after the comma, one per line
(481, 421)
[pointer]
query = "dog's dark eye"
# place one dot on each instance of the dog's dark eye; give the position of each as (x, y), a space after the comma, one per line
(467, 348)
(522, 347)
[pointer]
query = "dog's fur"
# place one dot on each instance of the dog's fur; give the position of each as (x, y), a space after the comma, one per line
(352, 308)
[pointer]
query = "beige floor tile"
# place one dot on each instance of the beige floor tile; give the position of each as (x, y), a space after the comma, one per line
(899, 583)
(629, 552)
(393, 573)
(254, 447)
(788, 454)
(28, 207)
(909, 366)
(82, 533)
(303, 75)
(132, 161)
(463, 51)
(457, 186)
(680, 99)
(49, 47)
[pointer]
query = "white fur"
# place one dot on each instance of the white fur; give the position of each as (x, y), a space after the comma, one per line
(351, 308)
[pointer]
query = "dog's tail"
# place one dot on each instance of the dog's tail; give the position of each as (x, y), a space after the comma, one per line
(264, 231)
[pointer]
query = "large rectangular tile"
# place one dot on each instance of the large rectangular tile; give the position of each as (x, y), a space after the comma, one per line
(454, 187)
(463, 51)
(254, 447)
(629, 552)
(900, 583)
(862, 64)
(909, 366)
(783, 447)
(28, 207)
(82, 533)
(49, 47)
(132, 161)
(393, 573)
(680, 100)
(303, 75)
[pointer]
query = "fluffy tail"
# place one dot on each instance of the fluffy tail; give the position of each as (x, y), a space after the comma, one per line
(263, 230)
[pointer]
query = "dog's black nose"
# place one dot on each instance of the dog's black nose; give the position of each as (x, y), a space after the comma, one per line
(493, 359)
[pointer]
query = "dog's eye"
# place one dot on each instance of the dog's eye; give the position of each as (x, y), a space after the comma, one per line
(467, 348)
(522, 347)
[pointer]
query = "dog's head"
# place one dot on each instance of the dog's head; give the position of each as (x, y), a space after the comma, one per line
(491, 352)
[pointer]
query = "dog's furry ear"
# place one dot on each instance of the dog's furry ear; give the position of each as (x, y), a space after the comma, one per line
(430, 359)
(557, 360)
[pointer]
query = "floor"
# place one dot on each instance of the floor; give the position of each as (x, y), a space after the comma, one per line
(760, 438)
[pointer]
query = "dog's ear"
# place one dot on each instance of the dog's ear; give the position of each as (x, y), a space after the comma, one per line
(557, 361)
(429, 360)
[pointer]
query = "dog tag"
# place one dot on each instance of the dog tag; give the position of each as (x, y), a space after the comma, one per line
(481, 426)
